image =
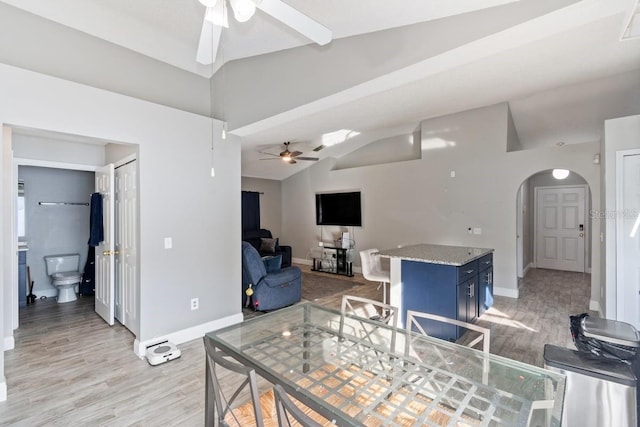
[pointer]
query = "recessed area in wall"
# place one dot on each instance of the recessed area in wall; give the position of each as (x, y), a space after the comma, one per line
(398, 148)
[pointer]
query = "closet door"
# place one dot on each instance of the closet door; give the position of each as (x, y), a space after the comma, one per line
(128, 303)
(105, 252)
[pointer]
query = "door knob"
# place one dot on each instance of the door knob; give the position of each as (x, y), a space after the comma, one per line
(581, 234)
(107, 253)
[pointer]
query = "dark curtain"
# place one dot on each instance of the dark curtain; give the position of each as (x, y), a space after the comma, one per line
(250, 211)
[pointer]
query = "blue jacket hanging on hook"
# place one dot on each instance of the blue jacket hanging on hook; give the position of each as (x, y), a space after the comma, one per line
(96, 229)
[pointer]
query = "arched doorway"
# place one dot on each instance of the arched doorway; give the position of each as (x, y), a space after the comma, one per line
(553, 223)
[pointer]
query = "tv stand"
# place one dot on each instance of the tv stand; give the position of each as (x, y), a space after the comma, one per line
(334, 263)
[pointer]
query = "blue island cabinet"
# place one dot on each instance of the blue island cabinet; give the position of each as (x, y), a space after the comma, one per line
(485, 282)
(456, 292)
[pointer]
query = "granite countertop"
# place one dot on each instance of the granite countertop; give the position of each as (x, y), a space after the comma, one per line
(437, 254)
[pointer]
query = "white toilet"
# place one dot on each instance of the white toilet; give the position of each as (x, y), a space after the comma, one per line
(63, 270)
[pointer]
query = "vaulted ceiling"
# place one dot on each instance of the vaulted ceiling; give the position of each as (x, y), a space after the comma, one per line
(560, 64)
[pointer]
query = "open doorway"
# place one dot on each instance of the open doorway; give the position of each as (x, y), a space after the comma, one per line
(53, 155)
(553, 223)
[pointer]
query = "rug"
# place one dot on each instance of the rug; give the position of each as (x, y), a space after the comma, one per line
(316, 286)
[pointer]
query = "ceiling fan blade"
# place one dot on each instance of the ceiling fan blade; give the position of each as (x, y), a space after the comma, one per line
(295, 153)
(313, 159)
(296, 20)
(208, 44)
(272, 158)
(275, 156)
(292, 161)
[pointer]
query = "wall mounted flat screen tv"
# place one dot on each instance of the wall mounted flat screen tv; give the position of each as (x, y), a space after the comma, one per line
(339, 209)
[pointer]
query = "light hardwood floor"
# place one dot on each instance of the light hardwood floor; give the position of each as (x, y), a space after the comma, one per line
(69, 368)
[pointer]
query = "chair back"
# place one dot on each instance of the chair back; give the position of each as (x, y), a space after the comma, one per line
(216, 359)
(286, 409)
(253, 268)
(365, 308)
(370, 263)
(413, 324)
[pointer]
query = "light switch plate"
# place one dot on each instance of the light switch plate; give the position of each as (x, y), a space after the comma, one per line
(477, 230)
(168, 243)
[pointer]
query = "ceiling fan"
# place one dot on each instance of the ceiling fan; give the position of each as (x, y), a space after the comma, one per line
(215, 18)
(289, 156)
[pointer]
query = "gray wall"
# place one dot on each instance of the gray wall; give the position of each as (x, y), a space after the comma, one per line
(418, 201)
(270, 203)
(178, 197)
(42, 147)
(55, 229)
(47, 47)
(397, 148)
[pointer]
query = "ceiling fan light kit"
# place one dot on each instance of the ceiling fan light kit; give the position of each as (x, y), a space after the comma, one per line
(208, 3)
(243, 10)
(216, 17)
(289, 156)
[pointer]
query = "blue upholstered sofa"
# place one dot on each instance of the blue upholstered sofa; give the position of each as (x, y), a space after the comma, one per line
(272, 290)
(255, 238)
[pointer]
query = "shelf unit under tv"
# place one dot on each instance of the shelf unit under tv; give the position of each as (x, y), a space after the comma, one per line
(334, 260)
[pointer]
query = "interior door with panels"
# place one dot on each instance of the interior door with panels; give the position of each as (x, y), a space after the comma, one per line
(560, 228)
(105, 266)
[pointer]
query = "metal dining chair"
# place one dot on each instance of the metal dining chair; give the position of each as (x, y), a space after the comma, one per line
(286, 409)
(222, 405)
(365, 308)
(372, 270)
(413, 324)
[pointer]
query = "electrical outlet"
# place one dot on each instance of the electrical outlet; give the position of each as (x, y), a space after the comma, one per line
(195, 303)
(477, 230)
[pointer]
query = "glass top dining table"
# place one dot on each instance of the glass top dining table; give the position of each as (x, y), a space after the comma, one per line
(361, 372)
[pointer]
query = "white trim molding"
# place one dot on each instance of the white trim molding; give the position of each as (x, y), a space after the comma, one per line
(506, 292)
(189, 334)
(526, 269)
(3, 389)
(595, 306)
(9, 343)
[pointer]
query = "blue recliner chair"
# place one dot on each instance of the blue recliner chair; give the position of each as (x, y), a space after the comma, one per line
(270, 290)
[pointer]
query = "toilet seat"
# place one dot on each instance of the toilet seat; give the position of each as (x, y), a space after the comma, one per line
(66, 278)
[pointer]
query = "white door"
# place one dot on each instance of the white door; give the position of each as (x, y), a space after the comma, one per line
(560, 228)
(628, 239)
(104, 298)
(117, 280)
(127, 301)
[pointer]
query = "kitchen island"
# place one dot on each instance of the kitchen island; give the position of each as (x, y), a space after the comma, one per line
(451, 281)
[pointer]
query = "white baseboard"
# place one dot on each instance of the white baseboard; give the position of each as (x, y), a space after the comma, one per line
(9, 343)
(505, 292)
(526, 269)
(595, 306)
(3, 389)
(189, 334)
